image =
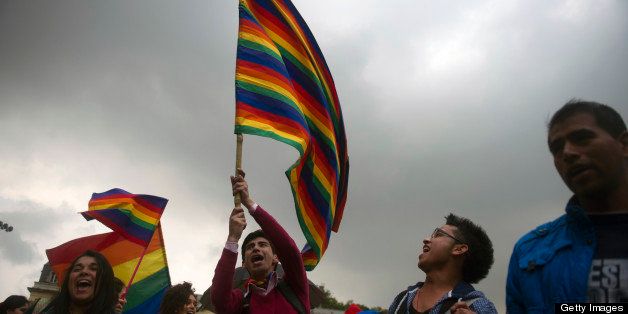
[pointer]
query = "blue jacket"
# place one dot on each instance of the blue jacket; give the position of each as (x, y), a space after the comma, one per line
(551, 264)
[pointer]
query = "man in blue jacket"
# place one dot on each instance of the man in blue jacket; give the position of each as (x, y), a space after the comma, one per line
(583, 255)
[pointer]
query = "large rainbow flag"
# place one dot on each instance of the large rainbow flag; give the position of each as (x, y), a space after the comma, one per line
(284, 91)
(135, 216)
(151, 280)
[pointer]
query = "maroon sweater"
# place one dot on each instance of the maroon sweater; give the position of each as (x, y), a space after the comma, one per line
(228, 300)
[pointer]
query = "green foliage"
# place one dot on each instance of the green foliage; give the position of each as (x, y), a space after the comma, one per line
(329, 302)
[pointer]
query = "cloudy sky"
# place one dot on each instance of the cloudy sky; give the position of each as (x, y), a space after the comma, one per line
(444, 102)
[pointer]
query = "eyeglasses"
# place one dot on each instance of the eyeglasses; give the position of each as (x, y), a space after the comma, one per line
(438, 232)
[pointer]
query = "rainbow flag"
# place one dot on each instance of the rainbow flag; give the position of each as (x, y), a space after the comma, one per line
(152, 278)
(284, 91)
(135, 216)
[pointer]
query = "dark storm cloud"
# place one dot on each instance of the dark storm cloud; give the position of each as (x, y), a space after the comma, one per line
(15, 249)
(444, 105)
(26, 218)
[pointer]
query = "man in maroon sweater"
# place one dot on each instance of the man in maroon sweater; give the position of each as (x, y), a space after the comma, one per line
(261, 251)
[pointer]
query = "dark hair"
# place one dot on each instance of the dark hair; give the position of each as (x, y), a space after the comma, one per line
(252, 236)
(606, 117)
(12, 302)
(479, 258)
(104, 299)
(118, 285)
(175, 298)
(206, 301)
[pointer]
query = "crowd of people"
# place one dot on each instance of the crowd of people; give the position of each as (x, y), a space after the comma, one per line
(89, 287)
(582, 256)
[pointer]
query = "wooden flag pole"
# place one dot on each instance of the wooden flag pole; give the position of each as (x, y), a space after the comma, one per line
(237, 200)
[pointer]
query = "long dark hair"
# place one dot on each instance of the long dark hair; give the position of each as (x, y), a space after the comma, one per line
(105, 297)
(13, 302)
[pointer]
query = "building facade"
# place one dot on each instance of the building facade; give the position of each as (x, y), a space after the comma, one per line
(44, 290)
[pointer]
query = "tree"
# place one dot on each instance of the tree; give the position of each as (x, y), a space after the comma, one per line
(329, 302)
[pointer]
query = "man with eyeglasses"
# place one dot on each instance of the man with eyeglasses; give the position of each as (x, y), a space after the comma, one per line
(453, 257)
(582, 256)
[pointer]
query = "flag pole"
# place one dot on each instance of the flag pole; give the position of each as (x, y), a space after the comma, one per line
(126, 289)
(163, 244)
(239, 138)
(161, 238)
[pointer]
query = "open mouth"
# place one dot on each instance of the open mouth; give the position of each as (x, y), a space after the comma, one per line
(257, 258)
(83, 285)
(426, 248)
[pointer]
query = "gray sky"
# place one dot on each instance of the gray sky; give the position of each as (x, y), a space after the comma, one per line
(444, 102)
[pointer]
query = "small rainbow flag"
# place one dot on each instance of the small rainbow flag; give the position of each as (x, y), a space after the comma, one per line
(285, 91)
(134, 216)
(152, 278)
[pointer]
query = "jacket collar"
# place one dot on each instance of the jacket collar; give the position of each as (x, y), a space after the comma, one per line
(270, 284)
(549, 238)
(460, 290)
(576, 213)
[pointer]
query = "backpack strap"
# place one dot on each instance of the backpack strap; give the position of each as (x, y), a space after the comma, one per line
(292, 298)
(399, 303)
(447, 304)
(246, 302)
(470, 301)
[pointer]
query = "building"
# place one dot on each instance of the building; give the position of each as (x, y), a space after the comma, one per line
(45, 289)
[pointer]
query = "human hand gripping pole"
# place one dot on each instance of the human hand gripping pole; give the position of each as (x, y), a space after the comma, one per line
(237, 220)
(240, 187)
(237, 224)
